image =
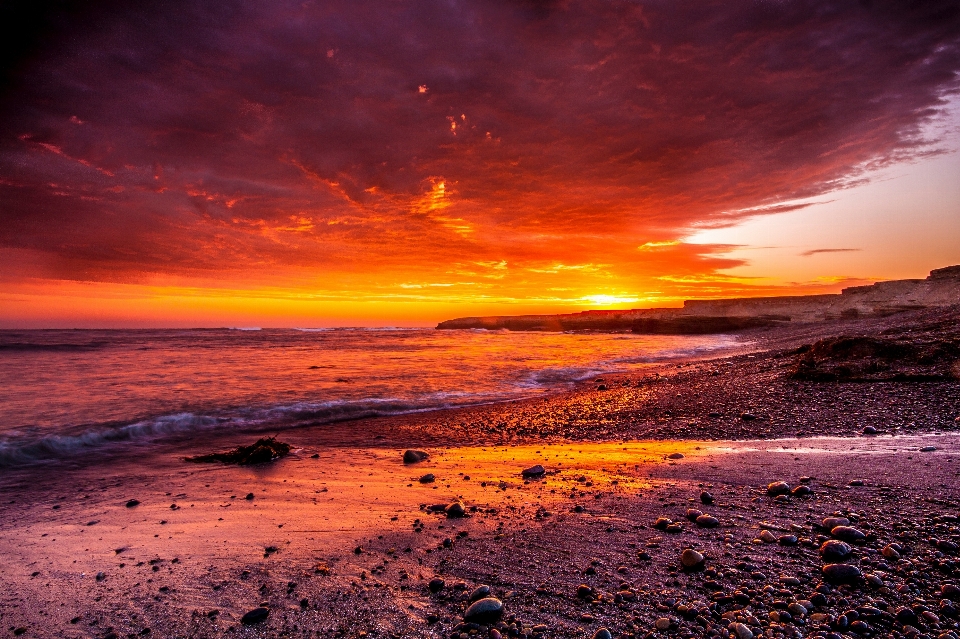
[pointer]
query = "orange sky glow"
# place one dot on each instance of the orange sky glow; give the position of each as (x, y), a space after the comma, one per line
(372, 163)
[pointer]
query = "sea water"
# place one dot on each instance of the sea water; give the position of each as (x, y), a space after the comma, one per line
(64, 391)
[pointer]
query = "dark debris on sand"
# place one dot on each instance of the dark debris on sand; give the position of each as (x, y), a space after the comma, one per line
(264, 450)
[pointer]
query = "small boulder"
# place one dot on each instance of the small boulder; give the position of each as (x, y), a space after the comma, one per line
(255, 616)
(842, 574)
(778, 488)
(690, 559)
(834, 550)
(533, 471)
(487, 610)
(414, 456)
(848, 534)
(480, 592)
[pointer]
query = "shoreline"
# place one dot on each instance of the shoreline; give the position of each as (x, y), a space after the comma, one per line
(193, 555)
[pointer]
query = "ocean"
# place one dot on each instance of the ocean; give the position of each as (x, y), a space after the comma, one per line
(68, 391)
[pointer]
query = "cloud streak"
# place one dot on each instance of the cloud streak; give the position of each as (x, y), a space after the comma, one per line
(375, 143)
(829, 250)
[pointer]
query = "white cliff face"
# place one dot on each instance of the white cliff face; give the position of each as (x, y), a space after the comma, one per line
(941, 288)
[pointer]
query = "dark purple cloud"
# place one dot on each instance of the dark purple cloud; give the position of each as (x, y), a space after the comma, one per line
(270, 139)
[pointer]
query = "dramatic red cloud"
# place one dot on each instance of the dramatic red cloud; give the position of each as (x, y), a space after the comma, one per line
(489, 150)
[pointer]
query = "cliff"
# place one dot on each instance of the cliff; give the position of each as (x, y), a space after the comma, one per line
(940, 288)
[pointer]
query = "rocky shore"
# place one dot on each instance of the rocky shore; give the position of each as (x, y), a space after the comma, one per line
(736, 498)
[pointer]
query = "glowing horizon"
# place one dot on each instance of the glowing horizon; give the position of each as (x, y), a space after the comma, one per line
(368, 163)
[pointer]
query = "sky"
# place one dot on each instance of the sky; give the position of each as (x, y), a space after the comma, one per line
(351, 162)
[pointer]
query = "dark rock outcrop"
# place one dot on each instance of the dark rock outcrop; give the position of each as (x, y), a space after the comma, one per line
(263, 450)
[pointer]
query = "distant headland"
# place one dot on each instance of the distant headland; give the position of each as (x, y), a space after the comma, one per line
(940, 288)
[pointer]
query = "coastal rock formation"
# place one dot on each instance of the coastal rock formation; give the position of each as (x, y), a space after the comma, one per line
(872, 359)
(940, 288)
(263, 450)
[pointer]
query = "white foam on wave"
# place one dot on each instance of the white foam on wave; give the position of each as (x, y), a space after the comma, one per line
(20, 450)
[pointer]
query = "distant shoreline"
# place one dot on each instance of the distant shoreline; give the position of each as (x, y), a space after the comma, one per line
(699, 317)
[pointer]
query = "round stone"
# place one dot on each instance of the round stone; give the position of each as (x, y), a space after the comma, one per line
(414, 456)
(778, 488)
(486, 610)
(707, 521)
(255, 616)
(662, 624)
(456, 509)
(436, 585)
(533, 471)
(848, 533)
(602, 633)
(834, 550)
(427, 479)
(842, 574)
(690, 558)
(706, 498)
(832, 522)
(768, 537)
(742, 631)
(480, 592)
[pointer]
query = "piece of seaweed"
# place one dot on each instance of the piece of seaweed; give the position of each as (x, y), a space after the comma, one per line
(265, 449)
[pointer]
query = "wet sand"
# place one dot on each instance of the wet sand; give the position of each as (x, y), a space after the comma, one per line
(80, 563)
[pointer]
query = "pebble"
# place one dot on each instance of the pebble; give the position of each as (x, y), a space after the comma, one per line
(706, 498)
(848, 533)
(707, 521)
(414, 456)
(834, 550)
(427, 479)
(742, 631)
(675, 456)
(480, 592)
(788, 540)
(255, 616)
(890, 552)
(663, 623)
(928, 449)
(801, 491)
(778, 488)
(842, 574)
(869, 430)
(436, 585)
(487, 610)
(533, 471)
(456, 509)
(690, 558)
(133, 502)
(832, 522)
(693, 513)
(249, 497)
(602, 633)
(768, 537)
(661, 523)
